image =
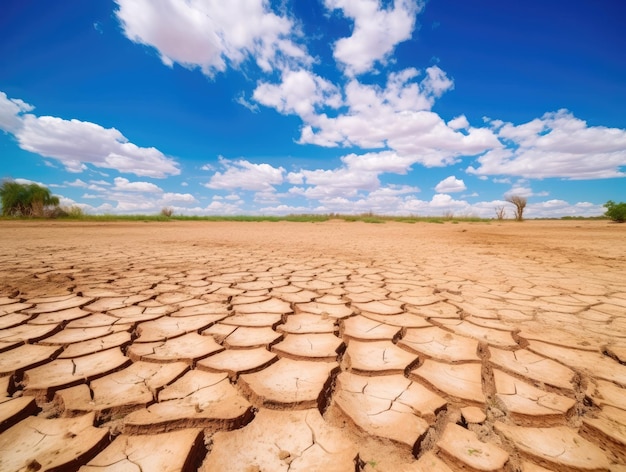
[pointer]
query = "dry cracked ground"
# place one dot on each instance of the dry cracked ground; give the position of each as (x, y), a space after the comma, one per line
(332, 346)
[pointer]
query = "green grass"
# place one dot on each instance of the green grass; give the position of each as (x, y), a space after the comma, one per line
(601, 217)
(304, 218)
(368, 217)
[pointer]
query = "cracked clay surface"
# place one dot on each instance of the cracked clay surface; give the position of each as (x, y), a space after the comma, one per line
(336, 346)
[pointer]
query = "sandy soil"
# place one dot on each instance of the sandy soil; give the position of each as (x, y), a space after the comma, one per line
(313, 346)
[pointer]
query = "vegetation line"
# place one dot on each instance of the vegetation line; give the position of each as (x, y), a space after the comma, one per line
(26, 201)
(73, 215)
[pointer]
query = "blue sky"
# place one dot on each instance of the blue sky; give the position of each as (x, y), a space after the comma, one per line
(398, 107)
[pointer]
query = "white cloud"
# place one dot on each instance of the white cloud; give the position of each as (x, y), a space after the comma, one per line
(300, 92)
(124, 185)
(295, 178)
(10, 111)
(75, 143)
(222, 208)
(436, 82)
(77, 183)
(125, 196)
(169, 198)
(246, 175)
(243, 101)
(378, 162)
(450, 185)
(559, 208)
(397, 117)
(28, 182)
(460, 122)
(358, 173)
(377, 31)
(556, 145)
(211, 34)
(344, 182)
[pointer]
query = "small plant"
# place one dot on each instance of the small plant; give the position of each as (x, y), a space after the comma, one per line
(615, 211)
(75, 212)
(54, 212)
(167, 212)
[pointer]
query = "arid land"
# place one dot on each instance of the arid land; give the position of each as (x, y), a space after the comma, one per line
(334, 346)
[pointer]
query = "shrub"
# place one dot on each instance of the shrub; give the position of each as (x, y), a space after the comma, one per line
(615, 211)
(26, 199)
(75, 212)
(167, 212)
(55, 212)
(520, 204)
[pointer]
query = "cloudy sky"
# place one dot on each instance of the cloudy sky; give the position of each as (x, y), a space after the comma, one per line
(401, 107)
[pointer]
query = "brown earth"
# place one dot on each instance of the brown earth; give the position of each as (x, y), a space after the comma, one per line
(224, 346)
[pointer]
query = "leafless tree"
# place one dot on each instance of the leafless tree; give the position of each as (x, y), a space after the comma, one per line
(500, 213)
(520, 204)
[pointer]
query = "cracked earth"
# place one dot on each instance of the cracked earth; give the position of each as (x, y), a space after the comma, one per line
(197, 346)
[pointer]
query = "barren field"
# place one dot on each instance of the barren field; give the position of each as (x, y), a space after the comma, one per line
(336, 346)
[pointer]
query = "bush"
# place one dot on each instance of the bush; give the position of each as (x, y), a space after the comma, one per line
(520, 204)
(30, 200)
(167, 212)
(55, 212)
(75, 212)
(615, 211)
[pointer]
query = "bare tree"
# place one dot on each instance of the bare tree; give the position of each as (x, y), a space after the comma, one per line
(520, 204)
(500, 213)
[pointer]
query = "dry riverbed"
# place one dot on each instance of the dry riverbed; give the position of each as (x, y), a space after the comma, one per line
(335, 346)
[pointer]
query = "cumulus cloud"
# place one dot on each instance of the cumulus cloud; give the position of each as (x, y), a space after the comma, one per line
(377, 30)
(436, 82)
(558, 208)
(556, 145)
(211, 34)
(77, 183)
(344, 182)
(398, 117)
(460, 122)
(378, 162)
(124, 185)
(10, 111)
(125, 196)
(173, 197)
(358, 173)
(394, 200)
(75, 143)
(220, 207)
(246, 175)
(450, 185)
(300, 92)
